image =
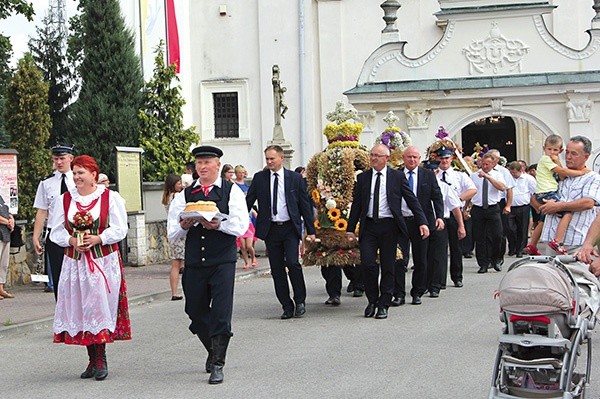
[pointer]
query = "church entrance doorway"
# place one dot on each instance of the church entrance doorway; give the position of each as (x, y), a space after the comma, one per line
(495, 131)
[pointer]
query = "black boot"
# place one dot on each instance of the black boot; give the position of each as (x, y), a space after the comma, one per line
(101, 364)
(206, 341)
(90, 371)
(219, 346)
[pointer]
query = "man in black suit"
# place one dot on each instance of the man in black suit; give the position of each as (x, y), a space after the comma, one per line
(423, 184)
(282, 204)
(377, 203)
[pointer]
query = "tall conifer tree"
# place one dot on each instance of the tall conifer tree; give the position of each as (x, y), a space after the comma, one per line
(166, 144)
(28, 122)
(105, 115)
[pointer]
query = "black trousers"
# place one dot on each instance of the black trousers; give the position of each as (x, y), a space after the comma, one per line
(437, 259)
(54, 256)
(505, 231)
(487, 231)
(518, 223)
(209, 298)
(468, 244)
(419, 255)
(282, 246)
(383, 237)
(333, 278)
(456, 251)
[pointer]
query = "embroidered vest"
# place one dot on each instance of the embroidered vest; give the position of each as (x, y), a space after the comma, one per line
(100, 224)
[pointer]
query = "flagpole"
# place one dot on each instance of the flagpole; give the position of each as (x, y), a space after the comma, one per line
(166, 32)
(141, 37)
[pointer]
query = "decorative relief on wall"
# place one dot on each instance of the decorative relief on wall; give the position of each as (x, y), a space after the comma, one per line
(496, 53)
(592, 47)
(367, 118)
(418, 118)
(399, 56)
(579, 110)
(496, 105)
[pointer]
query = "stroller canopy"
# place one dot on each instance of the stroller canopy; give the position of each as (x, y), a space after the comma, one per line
(535, 288)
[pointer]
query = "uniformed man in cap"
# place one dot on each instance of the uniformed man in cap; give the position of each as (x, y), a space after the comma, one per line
(210, 255)
(51, 187)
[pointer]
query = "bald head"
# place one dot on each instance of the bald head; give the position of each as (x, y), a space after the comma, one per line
(411, 157)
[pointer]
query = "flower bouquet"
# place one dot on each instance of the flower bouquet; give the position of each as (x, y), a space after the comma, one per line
(395, 139)
(83, 222)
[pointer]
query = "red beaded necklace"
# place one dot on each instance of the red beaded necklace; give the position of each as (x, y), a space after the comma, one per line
(85, 208)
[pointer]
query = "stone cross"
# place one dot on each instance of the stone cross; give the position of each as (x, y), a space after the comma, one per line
(391, 119)
(341, 114)
(280, 107)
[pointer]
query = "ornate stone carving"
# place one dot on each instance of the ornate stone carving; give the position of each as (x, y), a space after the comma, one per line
(418, 118)
(390, 10)
(399, 56)
(579, 110)
(495, 52)
(367, 118)
(592, 47)
(496, 105)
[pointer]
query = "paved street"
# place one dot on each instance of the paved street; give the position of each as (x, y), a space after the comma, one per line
(443, 348)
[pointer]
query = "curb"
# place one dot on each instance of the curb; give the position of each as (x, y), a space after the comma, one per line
(46, 323)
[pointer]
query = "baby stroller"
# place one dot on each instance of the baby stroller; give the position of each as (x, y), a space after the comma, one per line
(548, 307)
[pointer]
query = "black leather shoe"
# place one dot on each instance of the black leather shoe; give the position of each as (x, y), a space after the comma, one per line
(381, 313)
(336, 301)
(370, 310)
(459, 284)
(498, 266)
(519, 254)
(482, 270)
(358, 293)
(416, 300)
(287, 314)
(329, 301)
(511, 253)
(300, 310)
(468, 255)
(434, 294)
(350, 287)
(398, 301)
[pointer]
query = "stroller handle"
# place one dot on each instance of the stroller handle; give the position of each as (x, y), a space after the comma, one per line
(560, 258)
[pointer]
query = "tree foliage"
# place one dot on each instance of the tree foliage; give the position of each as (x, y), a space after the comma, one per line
(28, 122)
(49, 52)
(166, 144)
(105, 115)
(7, 8)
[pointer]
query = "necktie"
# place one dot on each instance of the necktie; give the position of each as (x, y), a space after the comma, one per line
(411, 182)
(376, 197)
(444, 177)
(275, 188)
(206, 189)
(484, 194)
(63, 184)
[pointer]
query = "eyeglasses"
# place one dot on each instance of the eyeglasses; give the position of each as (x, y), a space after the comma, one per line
(377, 156)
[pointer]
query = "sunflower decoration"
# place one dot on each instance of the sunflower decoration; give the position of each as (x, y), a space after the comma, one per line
(479, 151)
(331, 177)
(395, 139)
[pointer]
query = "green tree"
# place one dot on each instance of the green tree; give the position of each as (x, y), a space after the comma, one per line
(7, 8)
(49, 52)
(28, 121)
(166, 144)
(105, 115)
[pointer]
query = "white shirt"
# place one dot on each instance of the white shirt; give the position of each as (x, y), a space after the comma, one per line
(117, 216)
(384, 209)
(49, 189)
(570, 189)
(523, 189)
(282, 211)
(509, 181)
(451, 200)
(235, 225)
(493, 193)
(459, 181)
(406, 212)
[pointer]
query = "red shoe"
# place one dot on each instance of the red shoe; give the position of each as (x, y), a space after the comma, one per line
(531, 250)
(558, 247)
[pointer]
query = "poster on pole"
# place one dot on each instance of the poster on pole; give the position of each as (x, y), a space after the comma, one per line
(129, 177)
(9, 189)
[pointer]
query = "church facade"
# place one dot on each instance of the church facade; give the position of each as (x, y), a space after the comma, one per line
(504, 73)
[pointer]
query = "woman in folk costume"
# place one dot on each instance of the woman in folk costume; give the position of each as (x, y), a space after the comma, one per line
(92, 308)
